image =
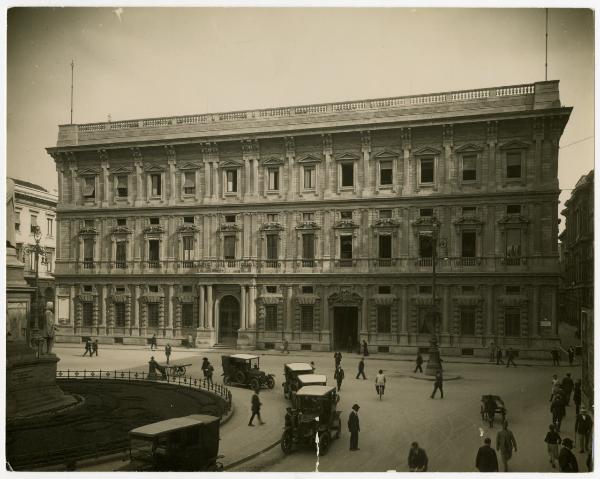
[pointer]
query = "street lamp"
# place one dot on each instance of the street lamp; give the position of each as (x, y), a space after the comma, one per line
(38, 251)
(434, 363)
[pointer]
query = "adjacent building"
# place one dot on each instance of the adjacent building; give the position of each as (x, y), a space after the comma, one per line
(314, 224)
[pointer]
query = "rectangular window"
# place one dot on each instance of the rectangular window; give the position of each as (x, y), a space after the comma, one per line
(427, 170)
(425, 212)
(384, 319)
(87, 314)
(308, 216)
(385, 214)
(273, 179)
(154, 221)
(156, 185)
(187, 288)
(88, 253)
(33, 223)
(17, 220)
(309, 177)
(88, 223)
(154, 253)
(272, 254)
(229, 218)
(423, 323)
(121, 254)
(272, 217)
(48, 261)
(50, 226)
(513, 243)
(467, 320)
(469, 244)
(153, 315)
(347, 174)
(189, 183)
(231, 181)
(120, 289)
(271, 289)
(346, 215)
(513, 164)
(188, 251)
(512, 322)
(469, 211)
(120, 315)
(188, 220)
(308, 250)
(307, 290)
(307, 319)
(271, 317)
(346, 250)
(467, 289)
(513, 290)
(384, 290)
(153, 288)
(385, 250)
(469, 172)
(513, 209)
(385, 173)
(425, 245)
(229, 247)
(187, 315)
(425, 289)
(87, 288)
(89, 187)
(121, 221)
(122, 186)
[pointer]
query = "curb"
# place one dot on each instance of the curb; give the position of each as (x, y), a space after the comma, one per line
(241, 461)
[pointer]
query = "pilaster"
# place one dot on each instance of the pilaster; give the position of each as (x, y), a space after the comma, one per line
(172, 162)
(290, 154)
(365, 137)
(105, 178)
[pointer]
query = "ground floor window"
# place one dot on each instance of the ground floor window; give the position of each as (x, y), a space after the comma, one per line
(153, 315)
(384, 319)
(187, 315)
(87, 313)
(120, 315)
(271, 317)
(467, 320)
(512, 322)
(307, 319)
(423, 320)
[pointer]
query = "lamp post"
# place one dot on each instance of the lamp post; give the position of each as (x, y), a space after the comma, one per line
(433, 363)
(38, 251)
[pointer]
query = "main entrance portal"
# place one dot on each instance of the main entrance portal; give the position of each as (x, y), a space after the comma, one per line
(345, 328)
(229, 320)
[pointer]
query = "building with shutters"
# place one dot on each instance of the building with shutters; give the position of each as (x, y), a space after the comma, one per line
(314, 224)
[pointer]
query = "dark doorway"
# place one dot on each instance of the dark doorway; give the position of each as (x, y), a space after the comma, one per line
(229, 320)
(345, 328)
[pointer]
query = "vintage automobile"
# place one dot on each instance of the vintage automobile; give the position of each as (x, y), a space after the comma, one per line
(188, 443)
(314, 412)
(244, 369)
(291, 372)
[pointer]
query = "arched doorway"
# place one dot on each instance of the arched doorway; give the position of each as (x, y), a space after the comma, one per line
(229, 320)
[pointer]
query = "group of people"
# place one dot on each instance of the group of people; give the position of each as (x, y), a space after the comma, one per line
(91, 347)
(496, 354)
(555, 353)
(363, 347)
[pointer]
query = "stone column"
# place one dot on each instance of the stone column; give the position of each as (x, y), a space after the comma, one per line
(489, 320)
(172, 181)
(364, 320)
(445, 309)
(366, 151)
(243, 321)
(135, 330)
(404, 322)
(215, 181)
(406, 146)
(103, 298)
(289, 310)
(290, 153)
(327, 151)
(255, 176)
(326, 238)
(170, 327)
(105, 177)
(325, 326)
(535, 317)
(252, 308)
(207, 173)
(74, 186)
(209, 307)
(201, 317)
(216, 316)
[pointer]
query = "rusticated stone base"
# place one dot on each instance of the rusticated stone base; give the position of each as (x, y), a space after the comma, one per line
(246, 339)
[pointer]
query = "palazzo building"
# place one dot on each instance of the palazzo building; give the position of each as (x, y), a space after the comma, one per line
(314, 224)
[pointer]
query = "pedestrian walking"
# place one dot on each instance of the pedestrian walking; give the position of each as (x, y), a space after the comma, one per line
(490, 409)
(419, 362)
(555, 357)
(204, 367)
(255, 406)
(350, 344)
(557, 408)
(568, 386)
(286, 346)
(94, 348)
(365, 348)
(338, 375)
(439, 384)
(380, 384)
(312, 365)
(337, 357)
(168, 352)
(577, 396)
(361, 368)
(153, 342)
(354, 427)
(505, 443)
(88, 347)
(583, 428)
(499, 356)
(209, 373)
(492, 351)
(571, 353)
(510, 357)
(553, 441)
(567, 462)
(417, 458)
(486, 460)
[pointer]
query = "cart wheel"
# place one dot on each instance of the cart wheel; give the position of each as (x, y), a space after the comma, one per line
(254, 384)
(270, 382)
(226, 380)
(239, 377)
(287, 442)
(324, 441)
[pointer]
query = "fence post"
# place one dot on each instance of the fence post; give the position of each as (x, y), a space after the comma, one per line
(100, 372)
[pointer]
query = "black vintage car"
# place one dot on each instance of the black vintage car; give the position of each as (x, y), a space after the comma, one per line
(314, 412)
(189, 443)
(291, 372)
(244, 369)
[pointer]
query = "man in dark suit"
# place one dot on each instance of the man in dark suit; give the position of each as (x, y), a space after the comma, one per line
(486, 460)
(361, 369)
(439, 384)
(568, 385)
(567, 462)
(339, 377)
(354, 427)
(417, 458)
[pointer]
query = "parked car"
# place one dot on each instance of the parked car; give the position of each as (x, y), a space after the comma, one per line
(291, 372)
(244, 369)
(314, 412)
(188, 443)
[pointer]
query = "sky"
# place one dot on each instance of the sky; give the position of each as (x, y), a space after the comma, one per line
(148, 62)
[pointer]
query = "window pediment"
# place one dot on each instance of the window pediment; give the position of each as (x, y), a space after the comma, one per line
(469, 148)
(271, 227)
(87, 297)
(386, 223)
(514, 145)
(121, 170)
(347, 157)
(345, 224)
(345, 297)
(468, 221)
(154, 229)
(190, 166)
(121, 230)
(272, 161)
(120, 297)
(512, 300)
(467, 300)
(387, 154)
(229, 227)
(187, 228)
(309, 159)
(271, 298)
(89, 172)
(513, 220)
(153, 297)
(308, 225)
(88, 231)
(427, 151)
(307, 299)
(384, 299)
(153, 168)
(186, 298)
(230, 164)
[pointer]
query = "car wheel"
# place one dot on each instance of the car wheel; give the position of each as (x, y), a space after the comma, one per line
(226, 380)
(270, 382)
(324, 441)
(286, 442)
(254, 384)
(239, 377)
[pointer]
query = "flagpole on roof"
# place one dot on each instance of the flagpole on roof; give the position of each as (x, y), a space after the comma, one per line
(72, 67)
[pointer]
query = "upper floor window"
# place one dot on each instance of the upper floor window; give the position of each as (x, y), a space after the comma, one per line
(231, 181)
(88, 253)
(384, 289)
(309, 177)
(427, 170)
(308, 216)
(307, 318)
(188, 220)
(308, 249)
(50, 226)
(188, 248)
(87, 288)
(307, 290)
(385, 214)
(154, 221)
(513, 209)
(271, 289)
(88, 223)
(384, 319)
(122, 189)
(469, 167)
(187, 288)
(153, 288)
(121, 221)
(469, 210)
(229, 247)
(154, 253)
(425, 245)
(273, 179)
(189, 183)
(513, 164)
(229, 218)
(468, 289)
(33, 223)
(346, 215)
(89, 187)
(385, 173)
(469, 244)
(156, 185)
(513, 290)
(271, 317)
(121, 254)
(425, 289)
(48, 261)
(17, 220)
(426, 212)
(346, 250)
(347, 174)
(272, 217)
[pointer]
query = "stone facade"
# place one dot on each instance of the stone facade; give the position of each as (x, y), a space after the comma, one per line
(311, 223)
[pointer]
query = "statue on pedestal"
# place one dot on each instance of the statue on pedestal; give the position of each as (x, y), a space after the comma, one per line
(51, 327)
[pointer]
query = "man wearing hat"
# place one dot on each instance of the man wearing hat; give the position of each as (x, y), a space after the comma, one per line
(354, 427)
(566, 459)
(583, 428)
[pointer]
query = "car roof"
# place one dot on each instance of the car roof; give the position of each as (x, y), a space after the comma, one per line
(314, 390)
(312, 378)
(243, 356)
(173, 424)
(299, 367)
